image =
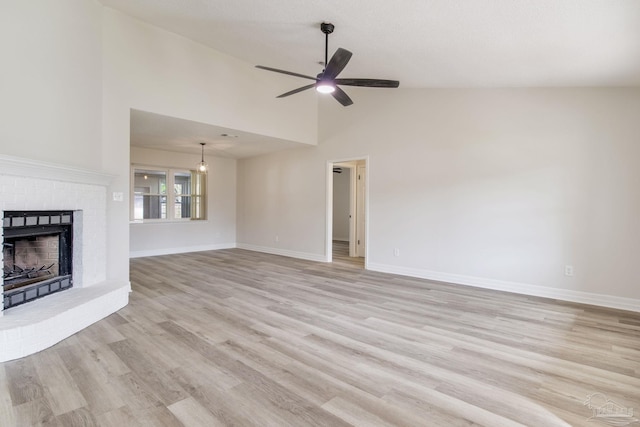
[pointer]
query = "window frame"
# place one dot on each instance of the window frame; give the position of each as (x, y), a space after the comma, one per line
(171, 194)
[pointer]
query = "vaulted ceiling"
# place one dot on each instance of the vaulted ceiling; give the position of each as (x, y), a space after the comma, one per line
(422, 43)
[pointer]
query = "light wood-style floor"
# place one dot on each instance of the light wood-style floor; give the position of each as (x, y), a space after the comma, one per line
(341, 256)
(237, 338)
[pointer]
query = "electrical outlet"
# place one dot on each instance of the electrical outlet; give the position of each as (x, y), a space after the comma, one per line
(396, 252)
(277, 238)
(568, 270)
(118, 196)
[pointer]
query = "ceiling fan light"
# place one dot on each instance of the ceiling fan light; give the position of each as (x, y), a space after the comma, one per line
(325, 87)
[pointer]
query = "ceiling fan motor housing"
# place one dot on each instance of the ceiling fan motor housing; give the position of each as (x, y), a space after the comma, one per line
(327, 28)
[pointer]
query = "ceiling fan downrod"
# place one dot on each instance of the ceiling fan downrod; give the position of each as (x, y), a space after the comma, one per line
(327, 28)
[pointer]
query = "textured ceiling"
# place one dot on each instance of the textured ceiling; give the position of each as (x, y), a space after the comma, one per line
(422, 43)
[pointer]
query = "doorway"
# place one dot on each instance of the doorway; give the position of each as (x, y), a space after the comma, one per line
(347, 205)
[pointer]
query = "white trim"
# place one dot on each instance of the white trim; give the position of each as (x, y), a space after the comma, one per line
(353, 191)
(181, 250)
(18, 166)
(328, 257)
(367, 171)
(32, 327)
(328, 227)
(283, 252)
(610, 301)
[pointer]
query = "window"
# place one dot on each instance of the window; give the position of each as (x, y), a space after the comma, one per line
(167, 194)
(182, 191)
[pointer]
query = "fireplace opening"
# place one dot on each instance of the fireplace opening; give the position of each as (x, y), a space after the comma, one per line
(37, 254)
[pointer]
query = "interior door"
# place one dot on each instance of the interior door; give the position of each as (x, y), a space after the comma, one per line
(360, 211)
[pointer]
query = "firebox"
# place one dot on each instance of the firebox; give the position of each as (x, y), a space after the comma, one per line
(37, 253)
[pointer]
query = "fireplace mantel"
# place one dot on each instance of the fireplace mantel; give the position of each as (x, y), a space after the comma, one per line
(18, 166)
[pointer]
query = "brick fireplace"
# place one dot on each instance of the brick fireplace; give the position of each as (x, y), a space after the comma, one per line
(32, 186)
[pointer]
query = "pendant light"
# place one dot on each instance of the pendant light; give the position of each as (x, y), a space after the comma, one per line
(202, 167)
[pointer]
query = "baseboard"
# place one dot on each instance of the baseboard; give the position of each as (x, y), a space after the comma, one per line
(610, 301)
(283, 252)
(181, 250)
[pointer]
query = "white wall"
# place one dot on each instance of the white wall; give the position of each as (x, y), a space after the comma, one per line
(51, 115)
(72, 70)
(341, 193)
(51, 81)
(496, 188)
(219, 230)
(150, 69)
(273, 191)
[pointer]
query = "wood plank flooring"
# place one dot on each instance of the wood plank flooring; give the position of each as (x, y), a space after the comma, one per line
(341, 255)
(237, 338)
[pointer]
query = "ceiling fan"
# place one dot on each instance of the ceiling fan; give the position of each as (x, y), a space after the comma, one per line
(327, 81)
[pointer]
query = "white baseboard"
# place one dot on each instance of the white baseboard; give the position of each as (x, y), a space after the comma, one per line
(602, 300)
(181, 250)
(515, 287)
(283, 252)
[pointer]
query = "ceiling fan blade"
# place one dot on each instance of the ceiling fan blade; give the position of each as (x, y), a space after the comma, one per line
(300, 89)
(368, 82)
(342, 97)
(289, 73)
(336, 64)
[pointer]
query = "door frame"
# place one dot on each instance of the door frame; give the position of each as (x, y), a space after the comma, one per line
(329, 204)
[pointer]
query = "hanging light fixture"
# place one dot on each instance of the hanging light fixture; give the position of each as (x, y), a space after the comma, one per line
(202, 167)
